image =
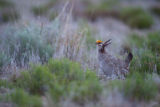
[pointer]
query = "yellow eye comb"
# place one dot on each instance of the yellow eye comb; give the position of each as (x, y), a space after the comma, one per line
(98, 41)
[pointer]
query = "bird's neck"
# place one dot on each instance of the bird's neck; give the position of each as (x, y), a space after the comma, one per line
(102, 50)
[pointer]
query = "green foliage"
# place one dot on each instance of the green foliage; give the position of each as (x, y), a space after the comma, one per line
(66, 70)
(37, 80)
(136, 17)
(139, 87)
(73, 81)
(23, 99)
(90, 89)
(26, 43)
(61, 79)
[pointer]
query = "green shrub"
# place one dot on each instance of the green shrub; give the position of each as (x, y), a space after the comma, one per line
(24, 44)
(28, 45)
(73, 81)
(66, 70)
(61, 79)
(79, 91)
(37, 80)
(23, 99)
(136, 17)
(89, 90)
(139, 87)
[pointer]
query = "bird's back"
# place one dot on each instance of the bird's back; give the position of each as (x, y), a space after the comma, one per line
(110, 65)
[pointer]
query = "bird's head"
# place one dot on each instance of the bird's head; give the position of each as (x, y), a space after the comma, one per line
(102, 45)
(99, 42)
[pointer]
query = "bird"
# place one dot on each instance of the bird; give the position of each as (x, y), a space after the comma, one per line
(109, 65)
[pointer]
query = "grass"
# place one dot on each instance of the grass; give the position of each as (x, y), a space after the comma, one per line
(136, 17)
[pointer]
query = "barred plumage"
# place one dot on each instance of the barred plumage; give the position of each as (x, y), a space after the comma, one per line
(111, 66)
